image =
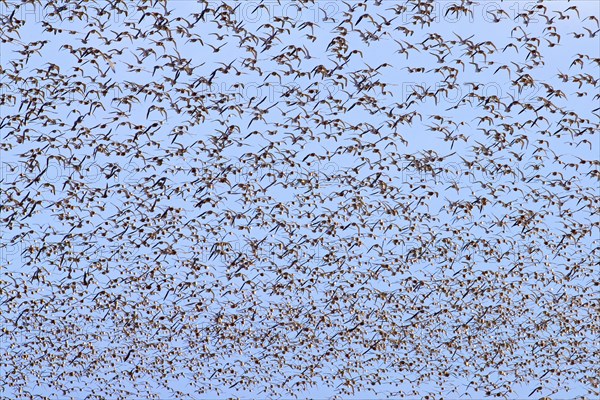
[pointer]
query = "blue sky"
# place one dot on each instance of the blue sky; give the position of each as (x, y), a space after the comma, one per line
(453, 170)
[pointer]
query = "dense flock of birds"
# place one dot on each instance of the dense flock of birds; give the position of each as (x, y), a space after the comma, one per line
(264, 199)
